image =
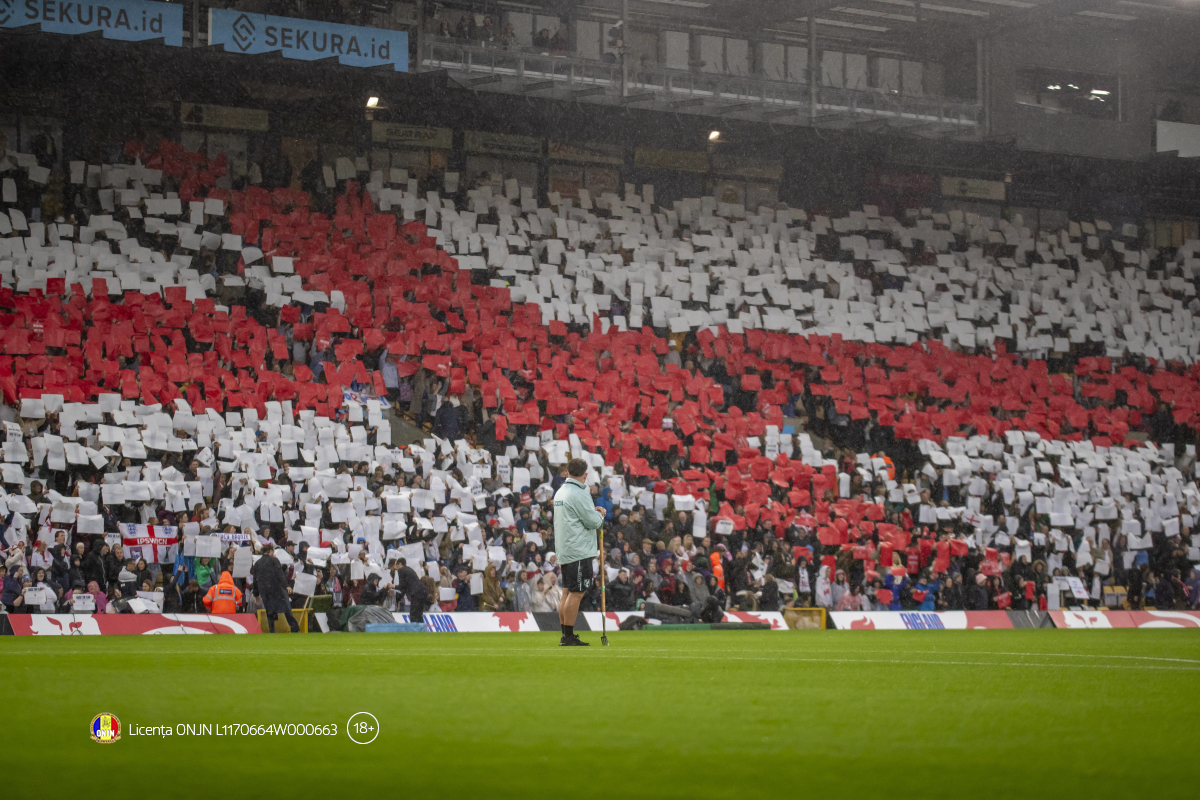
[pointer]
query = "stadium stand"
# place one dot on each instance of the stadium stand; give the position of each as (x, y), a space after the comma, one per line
(784, 410)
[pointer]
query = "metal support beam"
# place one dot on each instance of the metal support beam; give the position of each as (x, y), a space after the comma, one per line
(691, 101)
(983, 89)
(829, 120)
(624, 48)
(736, 107)
(590, 92)
(420, 35)
(484, 80)
(640, 98)
(812, 67)
(537, 86)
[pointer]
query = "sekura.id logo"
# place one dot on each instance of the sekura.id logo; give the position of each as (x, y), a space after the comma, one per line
(7, 7)
(243, 32)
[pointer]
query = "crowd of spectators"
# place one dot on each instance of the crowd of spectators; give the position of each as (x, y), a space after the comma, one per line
(231, 375)
(470, 28)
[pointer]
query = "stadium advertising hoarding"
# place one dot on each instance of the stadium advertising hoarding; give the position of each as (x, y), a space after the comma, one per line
(609, 153)
(918, 620)
(125, 20)
(396, 135)
(118, 624)
(974, 188)
(524, 622)
(1086, 618)
(747, 167)
(307, 40)
(502, 144)
(476, 622)
(680, 160)
(901, 182)
(232, 117)
(615, 618)
(961, 620)
(438, 622)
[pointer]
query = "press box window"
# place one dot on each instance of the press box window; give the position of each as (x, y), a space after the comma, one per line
(1062, 92)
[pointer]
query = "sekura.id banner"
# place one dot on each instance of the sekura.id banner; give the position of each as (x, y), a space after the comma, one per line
(307, 40)
(127, 20)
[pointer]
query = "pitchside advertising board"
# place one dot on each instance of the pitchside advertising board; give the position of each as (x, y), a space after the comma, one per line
(1126, 619)
(523, 622)
(307, 40)
(124, 624)
(126, 20)
(964, 620)
(918, 620)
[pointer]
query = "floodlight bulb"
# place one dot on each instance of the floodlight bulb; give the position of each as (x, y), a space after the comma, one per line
(372, 102)
(714, 136)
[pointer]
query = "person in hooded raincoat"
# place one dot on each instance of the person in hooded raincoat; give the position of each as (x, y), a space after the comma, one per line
(224, 597)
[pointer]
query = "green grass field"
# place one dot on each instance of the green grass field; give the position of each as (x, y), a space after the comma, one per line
(1092, 714)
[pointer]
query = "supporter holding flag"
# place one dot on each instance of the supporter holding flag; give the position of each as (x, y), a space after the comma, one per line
(824, 588)
(925, 592)
(895, 582)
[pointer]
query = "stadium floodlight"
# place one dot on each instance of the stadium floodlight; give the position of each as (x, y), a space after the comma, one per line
(372, 102)
(714, 136)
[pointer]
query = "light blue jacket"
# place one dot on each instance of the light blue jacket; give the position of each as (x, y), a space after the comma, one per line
(575, 523)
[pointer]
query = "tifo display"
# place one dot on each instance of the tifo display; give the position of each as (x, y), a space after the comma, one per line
(941, 415)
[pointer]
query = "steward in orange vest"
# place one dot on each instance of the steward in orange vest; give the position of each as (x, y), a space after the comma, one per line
(224, 598)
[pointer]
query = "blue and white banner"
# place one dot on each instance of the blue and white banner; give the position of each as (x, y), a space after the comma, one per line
(307, 40)
(127, 20)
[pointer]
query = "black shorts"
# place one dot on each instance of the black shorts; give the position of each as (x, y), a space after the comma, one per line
(577, 576)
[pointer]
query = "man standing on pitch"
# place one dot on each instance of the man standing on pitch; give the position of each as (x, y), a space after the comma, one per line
(410, 586)
(576, 519)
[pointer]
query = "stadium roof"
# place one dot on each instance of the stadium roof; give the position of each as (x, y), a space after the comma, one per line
(877, 20)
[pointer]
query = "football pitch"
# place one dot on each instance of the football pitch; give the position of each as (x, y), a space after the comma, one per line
(738, 714)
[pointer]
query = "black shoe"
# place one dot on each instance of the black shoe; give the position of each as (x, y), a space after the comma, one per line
(572, 641)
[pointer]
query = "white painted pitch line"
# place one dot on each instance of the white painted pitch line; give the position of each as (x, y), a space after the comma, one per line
(1043, 655)
(674, 656)
(985, 653)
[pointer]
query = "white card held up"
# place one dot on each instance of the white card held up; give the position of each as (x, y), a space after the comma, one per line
(305, 584)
